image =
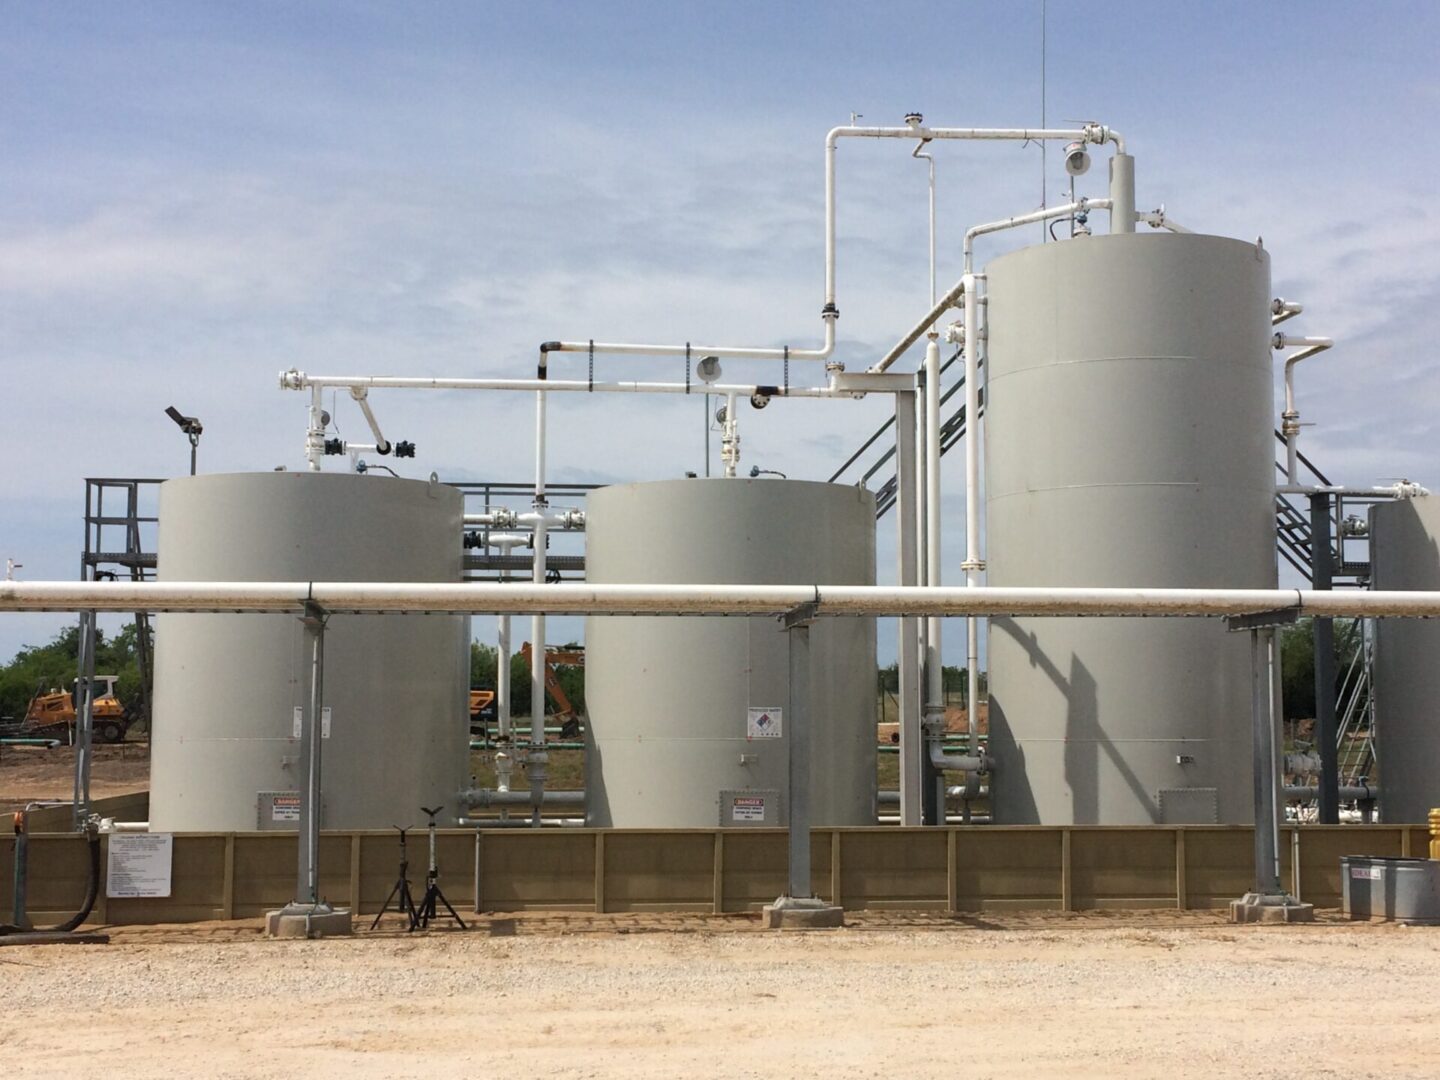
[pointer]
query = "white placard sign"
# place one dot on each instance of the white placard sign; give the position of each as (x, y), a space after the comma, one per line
(299, 722)
(139, 864)
(762, 723)
(750, 808)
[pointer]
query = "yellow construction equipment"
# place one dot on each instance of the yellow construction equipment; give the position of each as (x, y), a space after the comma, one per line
(56, 708)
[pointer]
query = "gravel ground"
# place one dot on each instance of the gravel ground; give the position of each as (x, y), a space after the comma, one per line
(1179, 995)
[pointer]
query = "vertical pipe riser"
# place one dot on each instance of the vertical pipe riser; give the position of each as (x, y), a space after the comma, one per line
(1122, 194)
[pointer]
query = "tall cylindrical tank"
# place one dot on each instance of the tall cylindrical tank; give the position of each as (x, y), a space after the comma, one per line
(684, 712)
(1128, 443)
(224, 752)
(1405, 554)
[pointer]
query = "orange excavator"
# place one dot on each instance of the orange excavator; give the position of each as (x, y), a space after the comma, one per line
(565, 711)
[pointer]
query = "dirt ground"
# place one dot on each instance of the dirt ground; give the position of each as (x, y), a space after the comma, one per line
(1176, 995)
(30, 773)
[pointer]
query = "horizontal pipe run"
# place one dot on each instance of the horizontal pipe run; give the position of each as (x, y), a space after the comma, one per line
(580, 599)
(487, 797)
(297, 380)
(1157, 219)
(696, 352)
(1405, 489)
(1080, 206)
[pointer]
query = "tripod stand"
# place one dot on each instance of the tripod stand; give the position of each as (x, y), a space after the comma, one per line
(406, 903)
(427, 910)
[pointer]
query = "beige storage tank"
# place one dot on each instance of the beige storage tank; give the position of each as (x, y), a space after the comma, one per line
(224, 752)
(1128, 442)
(684, 712)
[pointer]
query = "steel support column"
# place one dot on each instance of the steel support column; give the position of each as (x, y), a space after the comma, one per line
(1321, 573)
(84, 702)
(913, 759)
(307, 885)
(797, 746)
(1265, 767)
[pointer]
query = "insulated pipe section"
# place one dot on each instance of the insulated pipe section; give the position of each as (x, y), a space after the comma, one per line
(479, 797)
(482, 598)
(298, 380)
(738, 352)
(1122, 193)
(1290, 418)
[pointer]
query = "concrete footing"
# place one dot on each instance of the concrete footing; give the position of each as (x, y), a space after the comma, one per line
(802, 913)
(1262, 908)
(304, 921)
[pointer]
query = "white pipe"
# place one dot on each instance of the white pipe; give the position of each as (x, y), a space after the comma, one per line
(919, 154)
(290, 597)
(1080, 206)
(974, 562)
(537, 759)
(1290, 418)
(1092, 133)
(506, 541)
(1401, 489)
(1282, 310)
(503, 758)
(937, 311)
(1157, 219)
(298, 380)
(738, 352)
(730, 438)
(933, 711)
(360, 393)
(315, 432)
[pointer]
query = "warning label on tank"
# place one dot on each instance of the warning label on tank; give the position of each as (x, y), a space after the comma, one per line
(763, 723)
(285, 808)
(747, 808)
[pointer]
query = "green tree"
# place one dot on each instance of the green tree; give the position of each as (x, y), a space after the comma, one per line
(1297, 663)
(54, 666)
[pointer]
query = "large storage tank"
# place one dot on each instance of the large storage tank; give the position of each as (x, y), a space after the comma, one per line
(224, 755)
(1405, 554)
(1128, 443)
(676, 705)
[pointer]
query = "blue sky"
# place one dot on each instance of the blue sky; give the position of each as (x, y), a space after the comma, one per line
(193, 197)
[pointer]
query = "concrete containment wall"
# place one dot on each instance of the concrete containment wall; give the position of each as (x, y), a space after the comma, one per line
(989, 868)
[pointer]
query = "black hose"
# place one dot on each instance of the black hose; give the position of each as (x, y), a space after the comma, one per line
(92, 893)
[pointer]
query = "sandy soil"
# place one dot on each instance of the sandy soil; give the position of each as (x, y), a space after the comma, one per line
(31, 773)
(1173, 995)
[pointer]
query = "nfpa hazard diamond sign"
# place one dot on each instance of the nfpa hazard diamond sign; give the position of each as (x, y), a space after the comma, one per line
(762, 723)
